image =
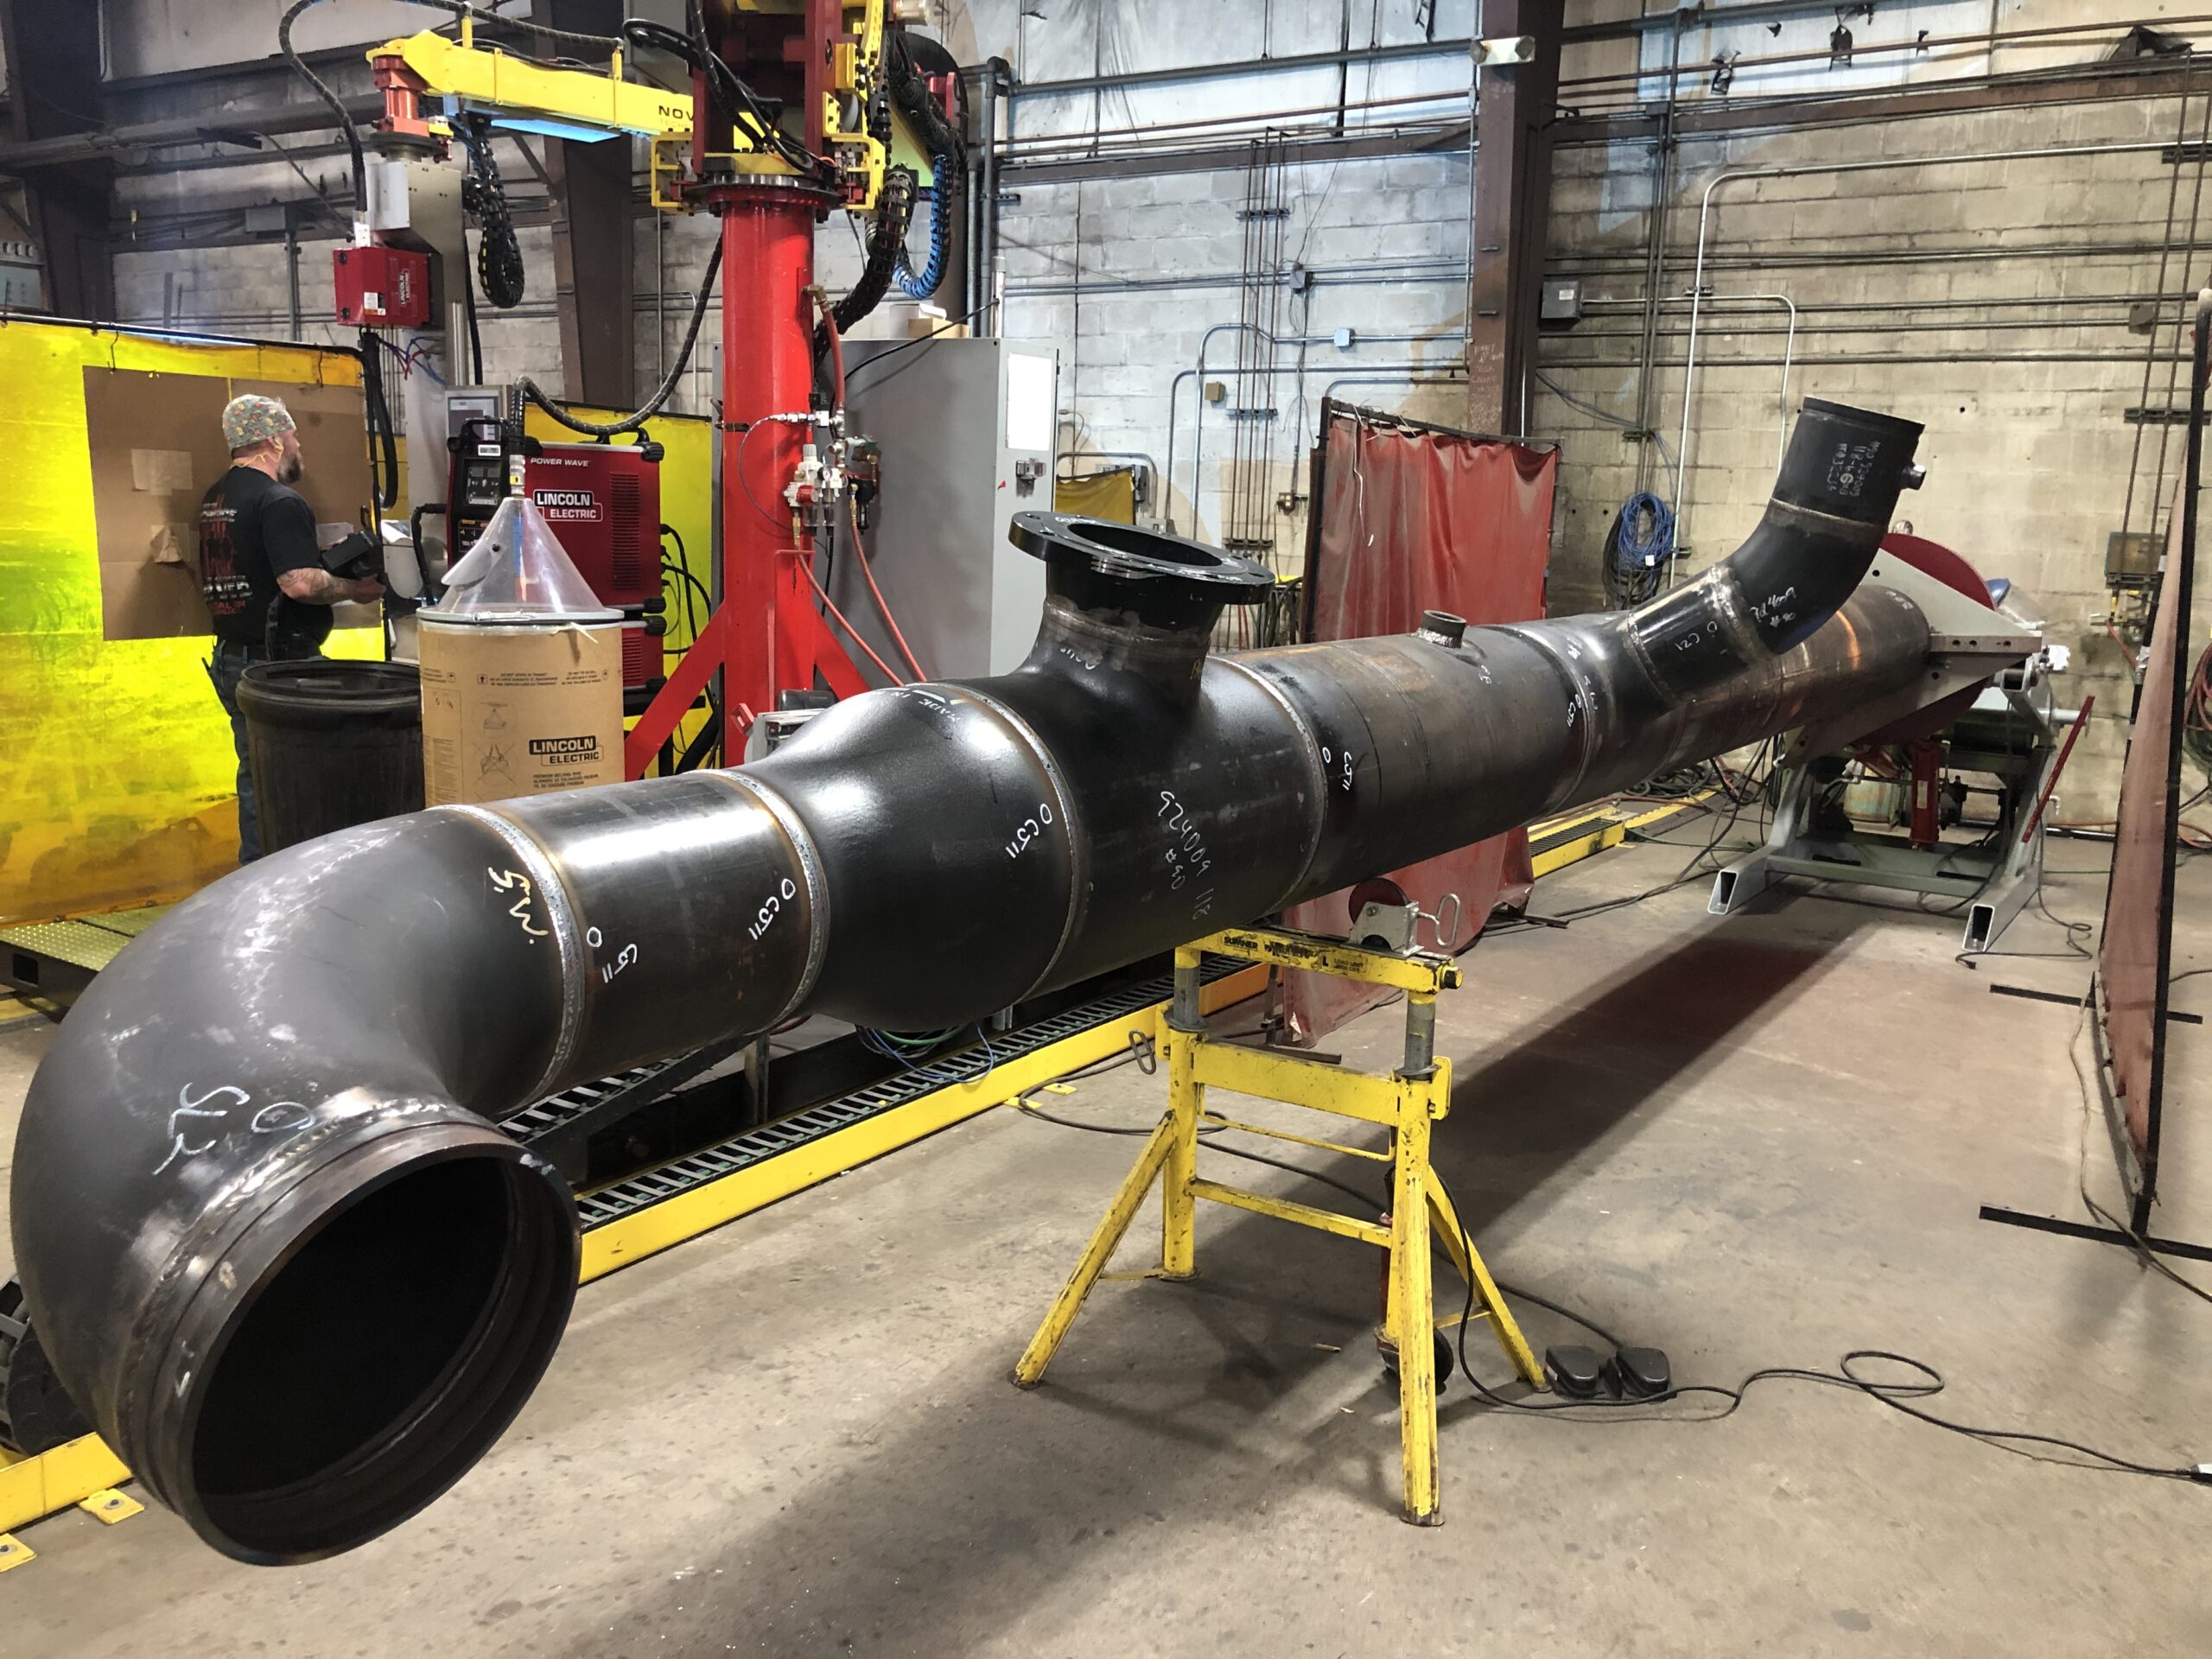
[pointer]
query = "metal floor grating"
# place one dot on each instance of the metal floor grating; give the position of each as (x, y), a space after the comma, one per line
(681, 1175)
(87, 942)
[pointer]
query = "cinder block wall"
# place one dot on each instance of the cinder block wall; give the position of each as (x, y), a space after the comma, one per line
(1379, 246)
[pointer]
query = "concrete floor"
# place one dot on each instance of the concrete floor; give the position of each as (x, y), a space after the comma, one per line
(1755, 1142)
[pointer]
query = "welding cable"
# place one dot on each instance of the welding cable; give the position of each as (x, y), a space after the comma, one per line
(468, 313)
(499, 266)
(935, 334)
(781, 523)
(830, 607)
(693, 588)
(695, 752)
(1921, 1381)
(686, 593)
(383, 443)
(330, 99)
(728, 90)
(894, 204)
(867, 573)
(653, 405)
(603, 45)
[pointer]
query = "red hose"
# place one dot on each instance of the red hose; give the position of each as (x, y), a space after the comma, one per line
(859, 552)
(851, 632)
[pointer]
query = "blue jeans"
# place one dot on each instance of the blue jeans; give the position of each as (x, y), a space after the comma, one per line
(224, 669)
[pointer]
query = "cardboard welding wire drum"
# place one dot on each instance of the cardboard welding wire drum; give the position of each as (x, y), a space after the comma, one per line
(515, 707)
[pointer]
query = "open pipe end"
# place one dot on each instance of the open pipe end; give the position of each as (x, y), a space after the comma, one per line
(360, 1343)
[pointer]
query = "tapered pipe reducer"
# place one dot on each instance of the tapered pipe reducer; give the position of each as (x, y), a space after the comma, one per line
(348, 1331)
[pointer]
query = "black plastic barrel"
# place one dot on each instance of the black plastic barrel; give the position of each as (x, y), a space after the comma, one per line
(332, 744)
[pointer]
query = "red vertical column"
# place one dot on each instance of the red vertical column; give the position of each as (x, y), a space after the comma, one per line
(767, 369)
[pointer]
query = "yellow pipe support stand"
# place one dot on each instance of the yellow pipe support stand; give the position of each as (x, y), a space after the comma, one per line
(1407, 1103)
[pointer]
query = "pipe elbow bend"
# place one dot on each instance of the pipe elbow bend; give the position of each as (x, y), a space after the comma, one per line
(1832, 504)
(299, 1286)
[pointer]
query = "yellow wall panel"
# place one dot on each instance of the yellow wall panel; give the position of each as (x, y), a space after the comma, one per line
(116, 764)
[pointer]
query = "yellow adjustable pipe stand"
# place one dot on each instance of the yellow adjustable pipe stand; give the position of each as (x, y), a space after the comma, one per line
(1407, 1102)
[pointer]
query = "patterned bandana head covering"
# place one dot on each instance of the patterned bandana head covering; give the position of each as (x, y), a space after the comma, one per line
(252, 419)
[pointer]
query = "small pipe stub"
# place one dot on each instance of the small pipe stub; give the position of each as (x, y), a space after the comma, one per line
(1442, 628)
(1167, 582)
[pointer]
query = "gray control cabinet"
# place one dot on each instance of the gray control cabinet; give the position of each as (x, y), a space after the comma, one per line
(969, 433)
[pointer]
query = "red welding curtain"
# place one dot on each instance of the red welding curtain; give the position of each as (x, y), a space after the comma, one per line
(1410, 518)
(2134, 955)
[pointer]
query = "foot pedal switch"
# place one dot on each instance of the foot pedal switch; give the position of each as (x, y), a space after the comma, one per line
(1574, 1371)
(1641, 1373)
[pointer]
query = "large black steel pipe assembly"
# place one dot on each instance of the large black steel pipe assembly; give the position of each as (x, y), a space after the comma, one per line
(273, 1242)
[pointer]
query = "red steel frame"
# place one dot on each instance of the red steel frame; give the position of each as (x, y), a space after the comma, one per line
(765, 635)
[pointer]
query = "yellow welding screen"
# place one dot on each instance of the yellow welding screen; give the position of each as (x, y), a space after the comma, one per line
(1111, 495)
(115, 787)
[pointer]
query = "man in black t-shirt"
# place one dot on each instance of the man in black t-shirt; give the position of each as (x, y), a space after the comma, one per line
(261, 569)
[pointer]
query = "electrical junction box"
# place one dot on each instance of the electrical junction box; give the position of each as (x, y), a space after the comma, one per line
(1562, 307)
(963, 428)
(382, 288)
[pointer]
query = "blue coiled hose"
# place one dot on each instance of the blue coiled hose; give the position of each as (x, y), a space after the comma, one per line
(1639, 546)
(921, 285)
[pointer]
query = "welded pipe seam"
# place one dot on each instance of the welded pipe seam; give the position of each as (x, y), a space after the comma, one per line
(1078, 833)
(1715, 605)
(1585, 725)
(560, 908)
(1309, 743)
(811, 874)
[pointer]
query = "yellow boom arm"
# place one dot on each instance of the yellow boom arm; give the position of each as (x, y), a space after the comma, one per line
(579, 103)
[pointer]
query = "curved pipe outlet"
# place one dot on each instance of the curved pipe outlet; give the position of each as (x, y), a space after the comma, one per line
(266, 1229)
